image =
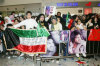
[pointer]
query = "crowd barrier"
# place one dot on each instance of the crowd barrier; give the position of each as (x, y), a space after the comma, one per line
(60, 44)
(92, 48)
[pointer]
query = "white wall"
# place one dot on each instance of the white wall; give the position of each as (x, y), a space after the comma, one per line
(35, 8)
(32, 4)
(71, 10)
(12, 8)
(17, 2)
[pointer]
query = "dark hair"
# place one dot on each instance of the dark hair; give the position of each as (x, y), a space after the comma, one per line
(33, 17)
(58, 17)
(73, 35)
(16, 19)
(74, 17)
(38, 17)
(1, 26)
(28, 12)
(12, 12)
(9, 25)
(22, 17)
(58, 12)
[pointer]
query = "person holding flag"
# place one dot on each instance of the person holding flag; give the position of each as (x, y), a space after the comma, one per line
(41, 21)
(73, 22)
(29, 41)
(29, 22)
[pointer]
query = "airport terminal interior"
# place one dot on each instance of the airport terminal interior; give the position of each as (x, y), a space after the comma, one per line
(49, 32)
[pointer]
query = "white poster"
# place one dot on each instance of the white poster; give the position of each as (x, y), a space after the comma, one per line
(50, 10)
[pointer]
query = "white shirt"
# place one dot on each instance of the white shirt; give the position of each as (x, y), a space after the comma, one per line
(29, 23)
(47, 18)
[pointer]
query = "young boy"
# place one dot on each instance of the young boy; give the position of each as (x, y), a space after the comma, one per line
(29, 22)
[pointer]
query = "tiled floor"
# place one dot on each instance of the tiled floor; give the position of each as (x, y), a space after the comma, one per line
(20, 61)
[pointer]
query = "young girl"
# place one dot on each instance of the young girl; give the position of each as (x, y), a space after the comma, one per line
(80, 25)
(89, 24)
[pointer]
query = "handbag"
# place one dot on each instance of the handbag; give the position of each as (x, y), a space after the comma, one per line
(94, 35)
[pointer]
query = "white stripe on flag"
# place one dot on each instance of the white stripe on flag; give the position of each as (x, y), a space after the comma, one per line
(33, 41)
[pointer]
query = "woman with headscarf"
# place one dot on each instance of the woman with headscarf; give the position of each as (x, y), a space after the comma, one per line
(55, 25)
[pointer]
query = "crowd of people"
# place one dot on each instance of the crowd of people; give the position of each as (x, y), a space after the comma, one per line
(51, 23)
(57, 22)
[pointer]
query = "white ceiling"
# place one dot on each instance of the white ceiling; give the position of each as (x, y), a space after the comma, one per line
(17, 2)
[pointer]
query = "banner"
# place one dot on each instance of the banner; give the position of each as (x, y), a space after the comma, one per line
(58, 42)
(77, 42)
(54, 41)
(27, 41)
(66, 42)
(50, 10)
(87, 11)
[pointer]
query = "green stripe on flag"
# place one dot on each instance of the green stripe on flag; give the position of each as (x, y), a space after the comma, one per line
(67, 18)
(42, 32)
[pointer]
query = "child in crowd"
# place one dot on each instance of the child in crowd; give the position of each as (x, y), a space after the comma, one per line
(80, 25)
(89, 24)
(59, 23)
(21, 18)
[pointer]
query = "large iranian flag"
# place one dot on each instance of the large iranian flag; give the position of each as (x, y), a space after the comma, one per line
(27, 41)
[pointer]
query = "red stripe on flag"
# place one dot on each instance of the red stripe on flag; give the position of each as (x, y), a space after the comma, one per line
(31, 49)
(70, 23)
(80, 62)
